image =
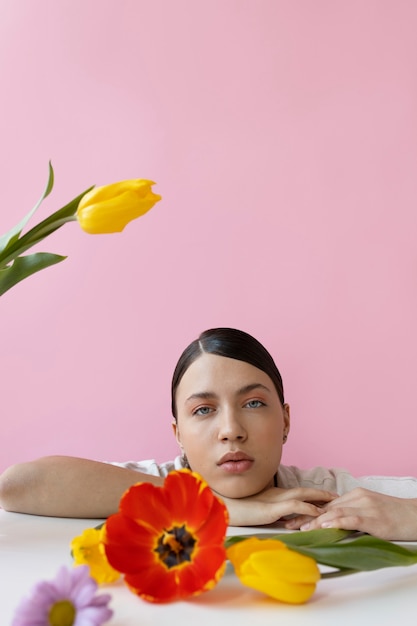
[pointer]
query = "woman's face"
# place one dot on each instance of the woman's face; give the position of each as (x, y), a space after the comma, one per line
(230, 424)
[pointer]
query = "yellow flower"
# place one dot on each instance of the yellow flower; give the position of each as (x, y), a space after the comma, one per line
(98, 210)
(269, 566)
(110, 208)
(88, 549)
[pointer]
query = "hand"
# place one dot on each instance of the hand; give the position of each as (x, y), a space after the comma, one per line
(272, 504)
(386, 517)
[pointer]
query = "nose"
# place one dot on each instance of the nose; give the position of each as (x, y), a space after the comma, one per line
(231, 427)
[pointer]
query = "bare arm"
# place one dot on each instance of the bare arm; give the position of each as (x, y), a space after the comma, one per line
(61, 486)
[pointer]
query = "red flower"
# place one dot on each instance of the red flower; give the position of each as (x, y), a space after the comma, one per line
(169, 540)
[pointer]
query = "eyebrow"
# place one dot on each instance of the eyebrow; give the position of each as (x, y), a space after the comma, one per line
(206, 395)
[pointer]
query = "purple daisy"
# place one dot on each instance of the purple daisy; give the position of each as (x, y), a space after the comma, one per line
(69, 600)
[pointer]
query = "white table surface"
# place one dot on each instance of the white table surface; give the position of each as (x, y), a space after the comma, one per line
(33, 548)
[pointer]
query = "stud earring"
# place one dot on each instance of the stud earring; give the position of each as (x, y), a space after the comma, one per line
(284, 439)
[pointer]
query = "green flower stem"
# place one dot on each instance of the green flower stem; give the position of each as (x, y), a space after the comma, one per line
(40, 231)
(7, 239)
(14, 265)
(26, 242)
(338, 573)
(292, 540)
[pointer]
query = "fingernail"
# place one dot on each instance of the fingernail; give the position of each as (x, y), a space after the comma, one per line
(305, 526)
(326, 525)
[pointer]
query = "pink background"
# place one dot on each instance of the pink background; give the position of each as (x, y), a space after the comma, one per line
(283, 138)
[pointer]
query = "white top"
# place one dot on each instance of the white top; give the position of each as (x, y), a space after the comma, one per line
(337, 480)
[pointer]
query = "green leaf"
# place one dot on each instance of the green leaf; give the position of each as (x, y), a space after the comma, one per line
(314, 537)
(41, 230)
(298, 538)
(362, 554)
(25, 266)
(12, 236)
(54, 221)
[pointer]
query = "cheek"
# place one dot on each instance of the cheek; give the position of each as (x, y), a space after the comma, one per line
(196, 438)
(270, 429)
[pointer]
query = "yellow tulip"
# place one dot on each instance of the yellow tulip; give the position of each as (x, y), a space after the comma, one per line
(88, 549)
(267, 565)
(110, 208)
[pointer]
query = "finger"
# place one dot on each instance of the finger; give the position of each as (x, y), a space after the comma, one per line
(345, 518)
(309, 495)
(297, 508)
(357, 497)
(268, 513)
(296, 522)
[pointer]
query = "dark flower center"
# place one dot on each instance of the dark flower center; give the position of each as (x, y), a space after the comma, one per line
(62, 613)
(175, 546)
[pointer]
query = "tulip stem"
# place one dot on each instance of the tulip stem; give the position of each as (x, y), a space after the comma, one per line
(339, 572)
(29, 240)
(40, 231)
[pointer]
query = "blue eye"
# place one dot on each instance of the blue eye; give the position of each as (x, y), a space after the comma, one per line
(254, 404)
(202, 410)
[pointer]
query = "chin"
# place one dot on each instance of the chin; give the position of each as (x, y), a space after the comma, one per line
(236, 488)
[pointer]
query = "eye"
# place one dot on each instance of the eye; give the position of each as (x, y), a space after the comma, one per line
(202, 410)
(254, 404)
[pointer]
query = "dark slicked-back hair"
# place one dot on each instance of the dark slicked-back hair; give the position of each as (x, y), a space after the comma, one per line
(233, 344)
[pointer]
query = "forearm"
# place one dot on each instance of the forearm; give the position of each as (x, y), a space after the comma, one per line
(67, 487)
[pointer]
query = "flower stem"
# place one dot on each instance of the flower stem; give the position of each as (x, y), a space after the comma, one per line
(339, 572)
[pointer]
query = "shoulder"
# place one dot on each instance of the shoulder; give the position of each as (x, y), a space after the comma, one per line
(342, 481)
(318, 477)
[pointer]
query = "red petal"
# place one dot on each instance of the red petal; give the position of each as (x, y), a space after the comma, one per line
(146, 502)
(209, 561)
(183, 488)
(129, 546)
(213, 530)
(153, 586)
(128, 560)
(204, 572)
(121, 530)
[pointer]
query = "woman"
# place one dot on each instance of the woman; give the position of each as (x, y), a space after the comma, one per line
(230, 421)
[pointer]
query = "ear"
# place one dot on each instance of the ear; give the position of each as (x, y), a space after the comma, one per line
(176, 432)
(286, 416)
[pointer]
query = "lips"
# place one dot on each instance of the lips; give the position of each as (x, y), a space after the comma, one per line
(234, 456)
(235, 462)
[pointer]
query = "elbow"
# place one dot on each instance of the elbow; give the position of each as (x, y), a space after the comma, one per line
(14, 488)
(6, 489)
